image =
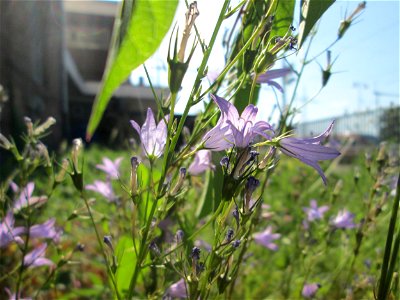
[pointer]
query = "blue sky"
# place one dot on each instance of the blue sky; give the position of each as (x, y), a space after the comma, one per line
(368, 61)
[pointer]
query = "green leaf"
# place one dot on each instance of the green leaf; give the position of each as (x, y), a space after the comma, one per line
(126, 259)
(211, 196)
(283, 18)
(133, 42)
(311, 12)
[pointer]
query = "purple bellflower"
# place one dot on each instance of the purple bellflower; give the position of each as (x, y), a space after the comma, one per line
(268, 77)
(104, 188)
(314, 212)
(111, 168)
(309, 150)
(266, 238)
(309, 290)
(232, 129)
(343, 220)
(8, 232)
(25, 198)
(178, 289)
(13, 296)
(46, 230)
(36, 258)
(201, 163)
(152, 136)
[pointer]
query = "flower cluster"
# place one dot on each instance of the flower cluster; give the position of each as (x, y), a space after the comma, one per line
(10, 233)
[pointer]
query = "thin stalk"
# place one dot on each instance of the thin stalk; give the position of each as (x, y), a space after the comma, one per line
(195, 88)
(143, 248)
(385, 279)
(233, 61)
(5, 276)
(253, 87)
(24, 252)
(393, 260)
(204, 289)
(100, 242)
(300, 73)
(168, 152)
(148, 192)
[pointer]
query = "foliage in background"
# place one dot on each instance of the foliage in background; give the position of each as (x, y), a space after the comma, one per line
(390, 125)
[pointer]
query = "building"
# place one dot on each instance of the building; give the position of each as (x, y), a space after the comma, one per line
(52, 58)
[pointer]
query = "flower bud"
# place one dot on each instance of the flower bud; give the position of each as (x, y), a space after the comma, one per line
(43, 153)
(76, 175)
(154, 248)
(5, 143)
(179, 236)
(191, 15)
(29, 126)
(177, 64)
(61, 174)
(195, 255)
(46, 125)
(251, 185)
(345, 24)
(229, 235)
(235, 214)
(108, 242)
(236, 244)
(77, 147)
(134, 185)
(179, 183)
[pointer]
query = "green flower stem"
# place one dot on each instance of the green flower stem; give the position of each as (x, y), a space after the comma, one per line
(225, 208)
(143, 249)
(171, 144)
(253, 87)
(386, 276)
(233, 61)
(24, 252)
(100, 242)
(246, 239)
(393, 260)
(8, 274)
(197, 82)
(300, 73)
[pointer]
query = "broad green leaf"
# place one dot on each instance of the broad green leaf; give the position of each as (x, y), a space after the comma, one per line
(133, 42)
(211, 196)
(283, 18)
(126, 259)
(311, 11)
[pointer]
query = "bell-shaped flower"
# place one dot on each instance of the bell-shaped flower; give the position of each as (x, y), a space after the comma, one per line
(268, 77)
(267, 238)
(309, 150)
(309, 290)
(25, 198)
(178, 289)
(314, 212)
(46, 230)
(343, 220)
(36, 258)
(111, 168)
(234, 130)
(13, 296)
(152, 136)
(201, 163)
(103, 188)
(9, 233)
(219, 137)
